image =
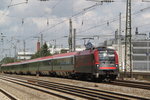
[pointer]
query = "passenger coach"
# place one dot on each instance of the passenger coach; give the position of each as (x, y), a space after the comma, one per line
(99, 63)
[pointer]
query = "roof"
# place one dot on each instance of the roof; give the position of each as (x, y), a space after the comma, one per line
(85, 52)
(58, 56)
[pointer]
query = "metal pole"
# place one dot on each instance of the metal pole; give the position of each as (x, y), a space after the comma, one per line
(24, 49)
(41, 40)
(74, 40)
(15, 48)
(130, 39)
(55, 43)
(148, 54)
(120, 44)
(128, 44)
(70, 36)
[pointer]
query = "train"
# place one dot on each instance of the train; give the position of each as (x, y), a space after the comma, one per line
(100, 64)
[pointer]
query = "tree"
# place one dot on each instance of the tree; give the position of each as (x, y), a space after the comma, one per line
(45, 51)
(42, 52)
(7, 60)
(64, 51)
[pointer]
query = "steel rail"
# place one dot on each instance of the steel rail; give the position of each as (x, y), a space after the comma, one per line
(136, 82)
(63, 90)
(88, 91)
(8, 95)
(48, 92)
(139, 85)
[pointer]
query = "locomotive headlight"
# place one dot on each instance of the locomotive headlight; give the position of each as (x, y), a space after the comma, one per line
(97, 65)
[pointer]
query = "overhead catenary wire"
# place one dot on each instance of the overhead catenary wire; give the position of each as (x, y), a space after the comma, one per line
(113, 20)
(73, 16)
(135, 13)
(63, 20)
(18, 4)
(4, 13)
(110, 21)
(66, 20)
(54, 6)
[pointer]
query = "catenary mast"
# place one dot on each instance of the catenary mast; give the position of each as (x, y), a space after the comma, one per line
(128, 44)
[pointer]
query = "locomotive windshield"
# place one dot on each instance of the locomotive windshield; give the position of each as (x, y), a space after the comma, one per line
(107, 56)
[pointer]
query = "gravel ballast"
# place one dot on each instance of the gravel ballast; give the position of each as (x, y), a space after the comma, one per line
(24, 93)
(102, 86)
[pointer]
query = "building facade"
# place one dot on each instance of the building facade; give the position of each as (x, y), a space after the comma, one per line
(141, 55)
(24, 55)
(140, 52)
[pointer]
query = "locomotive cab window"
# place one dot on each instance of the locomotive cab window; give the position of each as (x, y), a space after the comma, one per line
(108, 56)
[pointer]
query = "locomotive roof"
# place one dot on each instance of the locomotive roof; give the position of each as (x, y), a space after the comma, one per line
(58, 56)
(104, 48)
(85, 52)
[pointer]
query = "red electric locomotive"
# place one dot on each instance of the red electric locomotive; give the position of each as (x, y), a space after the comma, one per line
(100, 63)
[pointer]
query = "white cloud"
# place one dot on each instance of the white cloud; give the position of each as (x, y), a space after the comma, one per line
(36, 13)
(146, 16)
(79, 5)
(40, 22)
(4, 19)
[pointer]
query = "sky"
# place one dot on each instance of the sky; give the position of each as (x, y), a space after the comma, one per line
(20, 21)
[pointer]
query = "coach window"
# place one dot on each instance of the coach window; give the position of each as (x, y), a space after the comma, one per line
(49, 62)
(55, 62)
(62, 61)
(46, 62)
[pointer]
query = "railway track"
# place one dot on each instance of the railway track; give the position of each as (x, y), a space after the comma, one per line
(9, 96)
(80, 92)
(133, 84)
(28, 85)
